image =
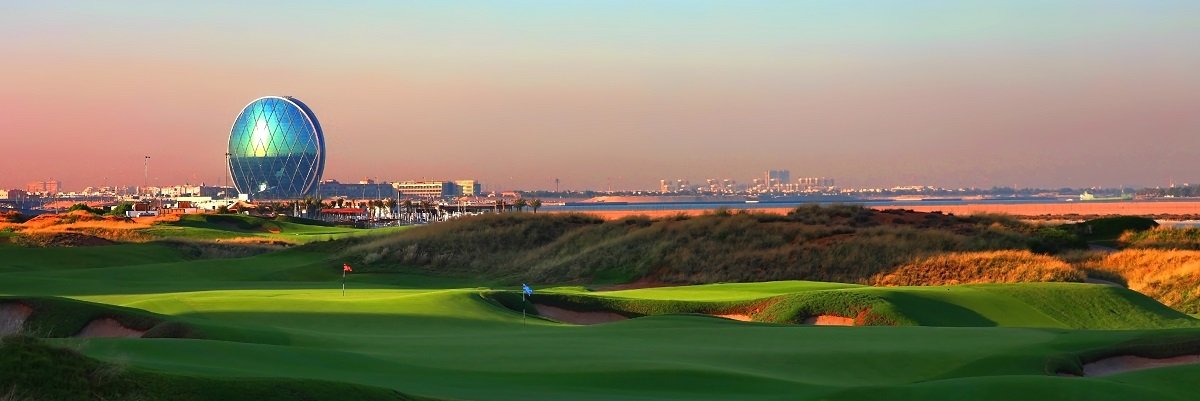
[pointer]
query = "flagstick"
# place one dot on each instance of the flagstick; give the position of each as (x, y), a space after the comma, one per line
(343, 282)
(522, 308)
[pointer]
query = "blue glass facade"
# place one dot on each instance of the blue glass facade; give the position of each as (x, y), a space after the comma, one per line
(276, 149)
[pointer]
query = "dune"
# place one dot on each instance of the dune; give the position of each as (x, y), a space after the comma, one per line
(12, 317)
(108, 327)
(1126, 363)
(830, 320)
(576, 317)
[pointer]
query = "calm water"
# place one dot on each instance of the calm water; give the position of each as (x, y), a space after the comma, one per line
(744, 205)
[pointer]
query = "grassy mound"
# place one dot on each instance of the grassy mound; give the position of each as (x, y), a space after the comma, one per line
(1169, 276)
(1108, 229)
(981, 267)
(838, 243)
(249, 229)
(228, 222)
(33, 370)
(55, 317)
(1163, 238)
(1059, 305)
(59, 240)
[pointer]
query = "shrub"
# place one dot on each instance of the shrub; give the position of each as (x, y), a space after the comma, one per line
(83, 207)
(1055, 239)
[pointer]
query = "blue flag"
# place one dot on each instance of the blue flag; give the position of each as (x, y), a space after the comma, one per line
(526, 290)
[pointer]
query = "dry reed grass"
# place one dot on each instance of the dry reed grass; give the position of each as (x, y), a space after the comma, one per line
(1171, 276)
(1005, 266)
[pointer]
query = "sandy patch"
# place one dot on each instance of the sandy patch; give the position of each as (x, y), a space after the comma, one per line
(741, 317)
(1126, 363)
(108, 327)
(829, 320)
(576, 317)
(12, 317)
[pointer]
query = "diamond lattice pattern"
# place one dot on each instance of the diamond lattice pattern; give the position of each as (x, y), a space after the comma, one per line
(275, 150)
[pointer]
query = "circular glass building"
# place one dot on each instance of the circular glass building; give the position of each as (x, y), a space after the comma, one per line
(276, 149)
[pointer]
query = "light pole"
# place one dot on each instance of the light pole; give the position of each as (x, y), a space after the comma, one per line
(146, 173)
(228, 171)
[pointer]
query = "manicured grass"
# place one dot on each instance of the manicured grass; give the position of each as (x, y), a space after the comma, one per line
(279, 321)
(21, 259)
(31, 369)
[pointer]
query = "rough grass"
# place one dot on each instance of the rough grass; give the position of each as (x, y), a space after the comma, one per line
(1169, 276)
(1163, 238)
(981, 267)
(55, 317)
(841, 243)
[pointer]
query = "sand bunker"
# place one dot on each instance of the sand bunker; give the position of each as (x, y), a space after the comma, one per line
(12, 317)
(108, 327)
(1126, 363)
(829, 320)
(576, 317)
(741, 317)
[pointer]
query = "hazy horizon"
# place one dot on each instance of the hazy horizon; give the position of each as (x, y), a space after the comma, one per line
(515, 94)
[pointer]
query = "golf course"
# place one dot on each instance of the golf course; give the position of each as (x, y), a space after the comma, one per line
(803, 306)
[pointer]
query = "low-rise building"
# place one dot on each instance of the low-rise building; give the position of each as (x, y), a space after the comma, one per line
(365, 189)
(467, 187)
(425, 189)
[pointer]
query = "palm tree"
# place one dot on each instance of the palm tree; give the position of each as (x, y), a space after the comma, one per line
(408, 204)
(535, 204)
(390, 204)
(520, 204)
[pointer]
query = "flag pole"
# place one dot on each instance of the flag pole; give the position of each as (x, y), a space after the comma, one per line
(523, 308)
(343, 282)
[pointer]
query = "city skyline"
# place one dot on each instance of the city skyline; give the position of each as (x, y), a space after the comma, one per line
(1028, 94)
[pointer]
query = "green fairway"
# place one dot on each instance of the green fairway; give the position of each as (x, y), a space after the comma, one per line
(280, 319)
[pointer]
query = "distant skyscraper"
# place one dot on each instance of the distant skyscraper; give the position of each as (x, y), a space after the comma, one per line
(44, 187)
(777, 178)
(276, 149)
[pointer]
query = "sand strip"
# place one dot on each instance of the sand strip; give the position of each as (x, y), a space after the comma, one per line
(830, 320)
(1126, 363)
(12, 317)
(108, 327)
(576, 317)
(741, 317)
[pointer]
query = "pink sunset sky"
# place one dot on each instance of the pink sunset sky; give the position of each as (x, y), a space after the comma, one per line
(952, 93)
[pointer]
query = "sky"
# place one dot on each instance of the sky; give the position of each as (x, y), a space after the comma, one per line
(613, 94)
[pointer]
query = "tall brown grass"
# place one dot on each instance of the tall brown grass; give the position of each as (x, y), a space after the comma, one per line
(1007, 266)
(1169, 276)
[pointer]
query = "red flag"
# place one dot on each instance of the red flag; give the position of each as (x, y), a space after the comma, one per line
(346, 267)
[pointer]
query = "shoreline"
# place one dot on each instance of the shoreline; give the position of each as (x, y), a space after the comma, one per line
(1178, 211)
